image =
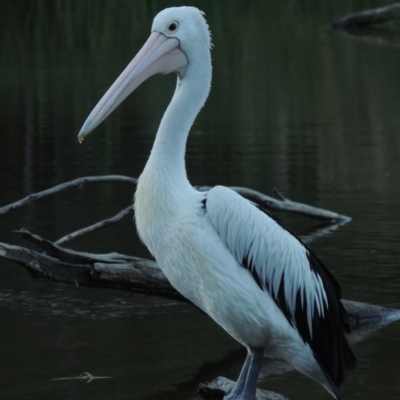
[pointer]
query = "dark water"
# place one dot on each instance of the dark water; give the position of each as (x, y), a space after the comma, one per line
(293, 106)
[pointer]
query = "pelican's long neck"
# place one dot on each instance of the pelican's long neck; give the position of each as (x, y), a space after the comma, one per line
(166, 165)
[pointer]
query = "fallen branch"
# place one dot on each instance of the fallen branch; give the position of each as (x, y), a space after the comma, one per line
(281, 204)
(98, 225)
(368, 17)
(67, 185)
(138, 275)
(110, 271)
(284, 204)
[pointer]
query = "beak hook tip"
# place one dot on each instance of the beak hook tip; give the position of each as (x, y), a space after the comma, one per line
(81, 136)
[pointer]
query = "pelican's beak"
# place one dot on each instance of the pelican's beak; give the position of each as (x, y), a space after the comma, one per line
(159, 55)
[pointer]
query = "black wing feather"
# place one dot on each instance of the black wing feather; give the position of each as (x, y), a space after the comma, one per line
(327, 341)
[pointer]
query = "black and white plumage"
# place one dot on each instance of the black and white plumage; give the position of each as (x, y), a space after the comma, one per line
(222, 252)
(300, 285)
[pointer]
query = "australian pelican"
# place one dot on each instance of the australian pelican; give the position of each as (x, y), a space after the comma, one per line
(227, 255)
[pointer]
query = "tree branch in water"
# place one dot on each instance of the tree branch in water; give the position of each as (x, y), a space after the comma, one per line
(98, 225)
(138, 275)
(281, 204)
(67, 185)
(368, 17)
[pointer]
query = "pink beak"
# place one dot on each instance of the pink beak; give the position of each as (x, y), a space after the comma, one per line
(159, 55)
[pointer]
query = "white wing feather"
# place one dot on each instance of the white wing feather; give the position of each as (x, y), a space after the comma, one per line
(270, 252)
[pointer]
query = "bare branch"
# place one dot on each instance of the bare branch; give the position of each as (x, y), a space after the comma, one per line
(279, 194)
(97, 225)
(261, 199)
(110, 271)
(368, 17)
(284, 204)
(117, 271)
(67, 185)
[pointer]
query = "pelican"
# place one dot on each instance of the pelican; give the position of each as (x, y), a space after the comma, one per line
(227, 255)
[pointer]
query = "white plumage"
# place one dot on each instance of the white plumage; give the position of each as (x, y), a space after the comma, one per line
(270, 250)
(229, 257)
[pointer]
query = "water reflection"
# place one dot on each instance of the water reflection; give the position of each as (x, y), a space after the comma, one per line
(61, 303)
(373, 35)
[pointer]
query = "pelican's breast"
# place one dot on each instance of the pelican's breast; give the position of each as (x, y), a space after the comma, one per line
(168, 222)
(190, 253)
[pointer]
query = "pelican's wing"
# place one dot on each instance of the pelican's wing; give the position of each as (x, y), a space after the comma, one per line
(301, 286)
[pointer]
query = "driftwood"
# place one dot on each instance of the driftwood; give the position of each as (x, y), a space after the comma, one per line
(118, 271)
(279, 204)
(330, 220)
(284, 204)
(368, 17)
(98, 225)
(79, 182)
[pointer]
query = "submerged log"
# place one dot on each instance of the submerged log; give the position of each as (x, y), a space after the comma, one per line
(368, 17)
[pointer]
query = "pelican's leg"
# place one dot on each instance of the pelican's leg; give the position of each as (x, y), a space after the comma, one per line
(246, 385)
(241, 382)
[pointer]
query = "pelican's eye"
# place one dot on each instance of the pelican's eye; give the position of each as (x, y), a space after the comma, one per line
(172, 27)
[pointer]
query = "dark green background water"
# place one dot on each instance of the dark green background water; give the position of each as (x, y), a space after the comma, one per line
(293, 106)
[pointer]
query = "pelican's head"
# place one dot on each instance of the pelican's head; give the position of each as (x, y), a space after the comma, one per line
(188, 26)
(179, 36)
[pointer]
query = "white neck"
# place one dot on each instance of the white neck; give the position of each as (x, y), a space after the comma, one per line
(165, 168)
